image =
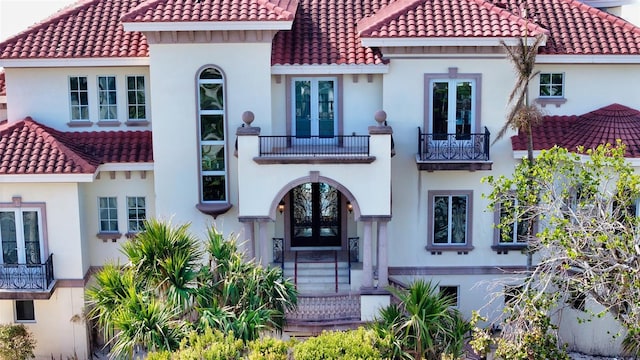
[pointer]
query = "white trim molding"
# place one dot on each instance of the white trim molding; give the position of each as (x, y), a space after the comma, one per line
(207, 25)
(47, 178)
(328, 69)
(80, 62)
(126, 167)
(444, 41)
(588, 59)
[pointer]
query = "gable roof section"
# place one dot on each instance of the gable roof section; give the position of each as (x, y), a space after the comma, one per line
(212, 10)
(324, 31)
(445, 18)
(27, 147)
(87, 29)
(601, 126)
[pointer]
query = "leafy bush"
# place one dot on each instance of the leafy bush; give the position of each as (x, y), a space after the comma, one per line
(16, 342)
(211, 345)
(344, 345)
(268, 349)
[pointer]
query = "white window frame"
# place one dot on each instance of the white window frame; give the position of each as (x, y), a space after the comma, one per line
(108, 219)
(136, 104)
(15, 311)
(135, 211)
(105, 94)
(78, 92)
(452, 109)
(549, 85)
(514, 243)
(314, 111)
(212, 143)
(20, 238)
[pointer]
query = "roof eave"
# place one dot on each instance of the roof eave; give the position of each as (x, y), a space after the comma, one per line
(443, 41)
(75, 62)
(46, 178)
(329, 69)
(587, 59)
(208, 25)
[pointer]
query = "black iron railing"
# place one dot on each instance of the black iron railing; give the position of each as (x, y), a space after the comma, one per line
(338, 145)
(26, 276)
(456, 147)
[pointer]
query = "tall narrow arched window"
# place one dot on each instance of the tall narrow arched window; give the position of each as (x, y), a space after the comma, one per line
(213, 154)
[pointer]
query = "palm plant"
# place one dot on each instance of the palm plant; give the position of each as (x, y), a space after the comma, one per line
(424, 325)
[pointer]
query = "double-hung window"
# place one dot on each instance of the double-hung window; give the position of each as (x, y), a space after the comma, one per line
(136, 213)
(512, 228)
(211, 116)
(450, 220)
(79, 98)
(107, 107)
(136, 100)
(108, 214)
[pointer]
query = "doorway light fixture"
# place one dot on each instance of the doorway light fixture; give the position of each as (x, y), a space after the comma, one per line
(349, 207)
(281, 206)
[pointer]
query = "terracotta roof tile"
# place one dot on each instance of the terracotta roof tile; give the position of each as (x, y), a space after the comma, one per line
(605, 125)
(445, 18)
(324, 31)
(27, 147)
(212, 10)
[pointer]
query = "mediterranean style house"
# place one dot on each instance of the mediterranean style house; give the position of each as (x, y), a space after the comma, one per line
(344, 141)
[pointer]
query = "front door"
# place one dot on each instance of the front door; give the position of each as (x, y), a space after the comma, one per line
(314, 108)
(20, 236)
(315, 216)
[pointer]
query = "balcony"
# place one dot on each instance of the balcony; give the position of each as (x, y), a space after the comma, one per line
(27, 281)
(314, 149)
(453, 151)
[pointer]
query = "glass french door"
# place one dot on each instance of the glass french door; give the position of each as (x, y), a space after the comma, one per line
(314, 108)
(315, 215)
(20, 235)
(452, 109)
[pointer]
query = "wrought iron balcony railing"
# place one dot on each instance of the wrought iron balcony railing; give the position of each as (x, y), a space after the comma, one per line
(338, 146)
(453, 147)
(27, 276)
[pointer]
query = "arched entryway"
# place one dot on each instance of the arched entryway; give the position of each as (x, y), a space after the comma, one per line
(315, 216)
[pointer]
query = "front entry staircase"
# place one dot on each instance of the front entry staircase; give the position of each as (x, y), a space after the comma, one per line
(318, 272)
(316, 313)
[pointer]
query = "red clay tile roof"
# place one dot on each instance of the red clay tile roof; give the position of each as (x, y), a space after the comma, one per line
(212, 10)
(90, 28)
(3, 88)
(324, 31)
(28, 147)
(605, 125)
(445, 18)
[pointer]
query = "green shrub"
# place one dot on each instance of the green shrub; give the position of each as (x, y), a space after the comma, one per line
(211, 345)
(16, 342)
(268, 349)
(357, 344)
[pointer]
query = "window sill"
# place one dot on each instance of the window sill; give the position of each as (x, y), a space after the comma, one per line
(131, 235)
(109, 123)
(79, 123)
(504, 249)
(213, 209)
(439, 249)
(543, 101)
(113, 236)
(136, 123)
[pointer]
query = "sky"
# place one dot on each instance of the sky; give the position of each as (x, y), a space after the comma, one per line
(17, 15)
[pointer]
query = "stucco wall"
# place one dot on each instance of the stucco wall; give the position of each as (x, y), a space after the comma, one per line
(43, 93)
(102, 251)
(59, 328)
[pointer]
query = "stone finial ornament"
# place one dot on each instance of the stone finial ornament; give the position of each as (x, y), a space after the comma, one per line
(248, 117)
(381, 117)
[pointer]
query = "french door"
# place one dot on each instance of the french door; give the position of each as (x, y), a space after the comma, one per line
(452, 110)
(315, 216)
(314, 108)
(20, 235)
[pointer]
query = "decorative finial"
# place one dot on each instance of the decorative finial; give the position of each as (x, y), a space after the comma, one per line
(381, 117)
(248, 117)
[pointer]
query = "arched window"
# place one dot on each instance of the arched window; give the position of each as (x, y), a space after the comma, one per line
(213, 154)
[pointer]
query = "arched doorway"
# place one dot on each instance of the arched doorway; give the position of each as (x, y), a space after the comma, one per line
(315, 216)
